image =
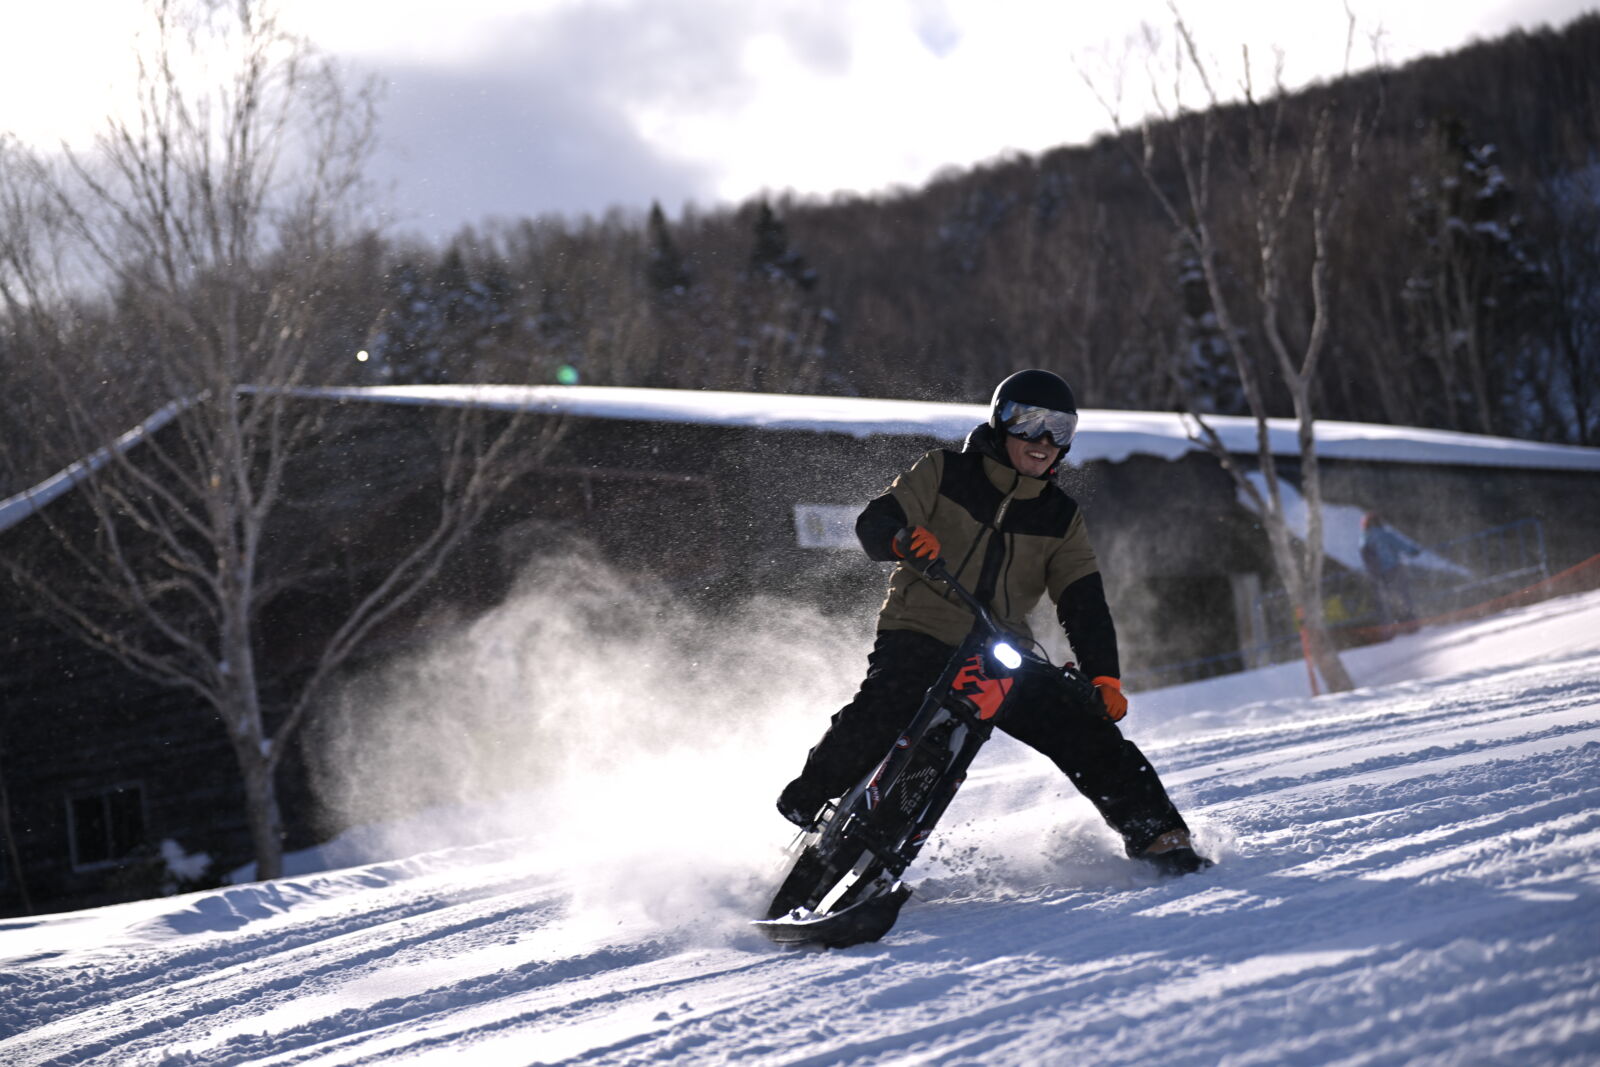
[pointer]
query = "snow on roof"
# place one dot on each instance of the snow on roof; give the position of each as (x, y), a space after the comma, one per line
(1111, 436)
(16, 508)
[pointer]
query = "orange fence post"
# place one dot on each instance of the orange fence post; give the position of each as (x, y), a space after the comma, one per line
(1305, 648)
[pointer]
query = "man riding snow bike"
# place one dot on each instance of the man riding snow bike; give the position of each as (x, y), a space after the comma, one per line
(1011, 536)
(843, 887)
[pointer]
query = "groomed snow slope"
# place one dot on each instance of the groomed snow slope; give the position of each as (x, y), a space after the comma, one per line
(1409, 873)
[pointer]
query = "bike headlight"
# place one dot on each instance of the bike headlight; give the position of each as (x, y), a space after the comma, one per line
(1008, 657)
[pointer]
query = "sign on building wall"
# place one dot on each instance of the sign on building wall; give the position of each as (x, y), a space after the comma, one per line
(826, 525)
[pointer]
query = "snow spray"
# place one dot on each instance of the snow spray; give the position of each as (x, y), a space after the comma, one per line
(632, 744)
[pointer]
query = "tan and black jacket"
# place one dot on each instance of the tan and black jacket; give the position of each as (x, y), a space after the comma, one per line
(1007, 537)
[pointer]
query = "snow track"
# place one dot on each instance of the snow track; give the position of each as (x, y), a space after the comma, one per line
(1409, 874)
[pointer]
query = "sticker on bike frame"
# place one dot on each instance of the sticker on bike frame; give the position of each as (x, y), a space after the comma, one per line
(986, 693)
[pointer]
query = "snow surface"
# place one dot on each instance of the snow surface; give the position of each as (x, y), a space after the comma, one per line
(1409, 873)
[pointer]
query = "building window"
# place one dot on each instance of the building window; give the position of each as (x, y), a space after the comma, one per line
(106, 826)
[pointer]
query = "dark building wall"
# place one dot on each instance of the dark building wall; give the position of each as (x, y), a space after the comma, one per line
(1171, 538)
(77, 725)
(1439, 503)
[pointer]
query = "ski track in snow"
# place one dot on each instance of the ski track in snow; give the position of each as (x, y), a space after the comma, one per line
(1409, 874)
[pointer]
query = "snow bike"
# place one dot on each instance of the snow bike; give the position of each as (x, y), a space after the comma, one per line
(844, 886)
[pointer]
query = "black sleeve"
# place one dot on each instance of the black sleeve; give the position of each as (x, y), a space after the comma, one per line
(876, 526)
(1086, 618)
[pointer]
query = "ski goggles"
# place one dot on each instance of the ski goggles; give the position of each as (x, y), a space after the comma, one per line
(1031, 423)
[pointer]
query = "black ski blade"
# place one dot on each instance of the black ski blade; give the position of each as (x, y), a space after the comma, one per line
(864, 921)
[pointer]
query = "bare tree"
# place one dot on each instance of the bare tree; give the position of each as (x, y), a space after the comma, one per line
(29, 226)
(216, 219)
(1287, 192)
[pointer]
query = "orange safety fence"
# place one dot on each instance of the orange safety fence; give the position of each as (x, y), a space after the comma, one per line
(1578, 579)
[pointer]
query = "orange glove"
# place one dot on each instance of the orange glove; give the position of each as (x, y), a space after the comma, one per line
(917, 542)
(1110, 690)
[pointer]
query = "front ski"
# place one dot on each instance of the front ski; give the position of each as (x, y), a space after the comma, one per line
(864, 921)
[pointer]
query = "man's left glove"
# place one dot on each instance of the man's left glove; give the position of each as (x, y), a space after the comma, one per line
(917, 543)
(1110, 690)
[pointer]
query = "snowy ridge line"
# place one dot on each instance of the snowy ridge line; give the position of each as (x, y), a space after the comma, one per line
(1568, 825)
(1576, 687)
(1355, 844)
(136, 1012)
(283, 897)
(573, 1005)
(548, 991)
(129, 1022)
(1254, 781)
(261, 912)
(1354, 721)
(1476, 798)
(1396, 759)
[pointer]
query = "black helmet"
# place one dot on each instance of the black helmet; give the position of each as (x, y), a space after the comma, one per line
(1032, 403)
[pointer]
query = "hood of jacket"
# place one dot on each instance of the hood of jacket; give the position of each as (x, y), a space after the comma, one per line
(990, 443)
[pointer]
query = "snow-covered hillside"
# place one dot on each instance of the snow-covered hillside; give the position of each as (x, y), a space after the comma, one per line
(1408, 874)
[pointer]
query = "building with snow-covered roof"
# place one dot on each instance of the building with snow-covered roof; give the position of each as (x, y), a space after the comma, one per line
(1105, 435)
(721, 497)
(1177, 540)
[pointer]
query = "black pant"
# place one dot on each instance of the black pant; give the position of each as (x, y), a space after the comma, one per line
(1395, 603)
(1077, 736)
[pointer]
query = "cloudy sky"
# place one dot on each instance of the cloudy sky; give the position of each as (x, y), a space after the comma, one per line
(524, 107)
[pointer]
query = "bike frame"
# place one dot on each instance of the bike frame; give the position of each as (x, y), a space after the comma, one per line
(880, 824)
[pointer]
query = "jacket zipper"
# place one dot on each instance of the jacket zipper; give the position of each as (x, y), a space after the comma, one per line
(994, 532)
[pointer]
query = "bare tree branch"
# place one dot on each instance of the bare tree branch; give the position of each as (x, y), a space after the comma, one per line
(1290, 189)
(216, 217)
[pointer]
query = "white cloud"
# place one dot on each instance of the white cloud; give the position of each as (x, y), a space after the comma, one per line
(62, 66)
(527, 106)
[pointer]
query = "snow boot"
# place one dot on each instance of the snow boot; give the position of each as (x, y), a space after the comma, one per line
(1172, 854)
(800, 804)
